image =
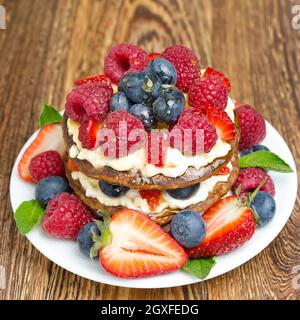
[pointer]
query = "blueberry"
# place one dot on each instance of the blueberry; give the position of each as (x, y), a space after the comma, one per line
(263, 206)
(85, 240)
(49, 187)
(188, 228)
(112, 190)
(257, 147)
(145, 114)
(184, 193)
(164, 70)
(168, 106)
(119, 101)
(140, 87)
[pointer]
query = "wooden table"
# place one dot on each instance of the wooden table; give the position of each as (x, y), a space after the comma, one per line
(48, 44)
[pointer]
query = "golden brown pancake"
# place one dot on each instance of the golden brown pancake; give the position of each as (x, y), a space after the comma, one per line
(135, 180)
(220, 189)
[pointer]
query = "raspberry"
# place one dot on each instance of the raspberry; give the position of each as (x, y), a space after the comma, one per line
(101, 78)
(203, 140)
(208, 91)
(46, 164)
(122, 58)
(123, 140)
(157, 147)
(91, 100)
(65, 216)
(186, 64)
(250, 178)
(252, 126)
(220, 75)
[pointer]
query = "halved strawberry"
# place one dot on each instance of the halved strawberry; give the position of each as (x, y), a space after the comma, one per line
(220, 75)
(49, 138)
(88, 131)
(138, 247)
(102, 78)
(220, 119)
(228, 226)
(152, 197)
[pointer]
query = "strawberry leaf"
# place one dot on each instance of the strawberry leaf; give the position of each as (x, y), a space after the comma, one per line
(106, 235)
(28, 214)
(264, 159)
(49, 115)
(200, 268)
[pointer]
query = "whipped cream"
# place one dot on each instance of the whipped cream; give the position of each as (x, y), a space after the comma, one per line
(133, 200)
(176, 162)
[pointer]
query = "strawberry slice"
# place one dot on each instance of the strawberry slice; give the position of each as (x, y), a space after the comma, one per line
(223, 171)
(152, 197)
(153, 55)
(88, 132)
(157, 147)
(218, 74)
(228, 226)
(102, 78)
(220, 119)
(72, 166)
(237, 104)
(49, 138)
(139, 247)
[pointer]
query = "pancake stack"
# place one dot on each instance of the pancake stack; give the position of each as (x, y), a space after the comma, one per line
(151, 194)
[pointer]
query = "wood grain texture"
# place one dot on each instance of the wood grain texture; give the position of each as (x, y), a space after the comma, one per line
(50, 43)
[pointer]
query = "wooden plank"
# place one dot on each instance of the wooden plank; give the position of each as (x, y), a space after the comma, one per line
(49, 44)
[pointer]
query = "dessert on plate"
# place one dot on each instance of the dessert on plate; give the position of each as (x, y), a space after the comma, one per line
(179, 179)
(152, 167)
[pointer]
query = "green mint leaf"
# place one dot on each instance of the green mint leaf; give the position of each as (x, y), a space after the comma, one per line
(49, 115)
(199, 267)
(264, 159)
(28, 214)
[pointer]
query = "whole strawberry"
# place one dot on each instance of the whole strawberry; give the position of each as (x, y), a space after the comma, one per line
(252, 126)
(65, 215)
(186, 63)
(208, 91)
(46, 164)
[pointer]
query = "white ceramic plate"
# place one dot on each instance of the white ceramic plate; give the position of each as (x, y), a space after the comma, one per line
(67, 255)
